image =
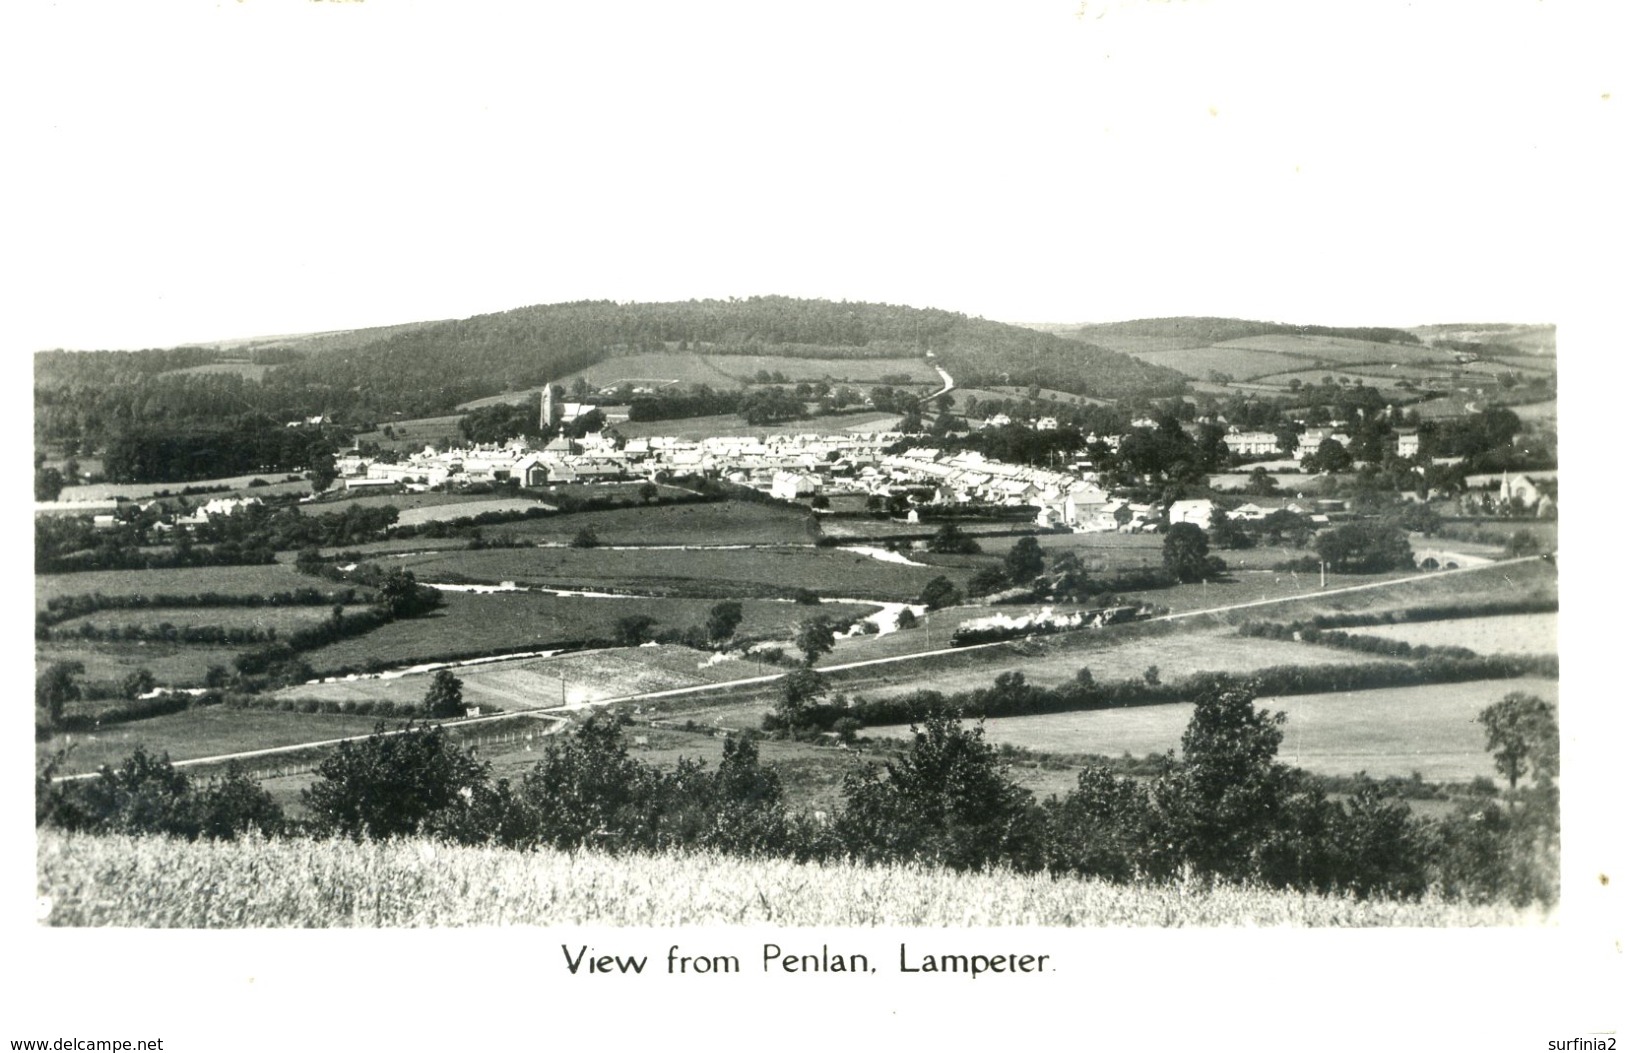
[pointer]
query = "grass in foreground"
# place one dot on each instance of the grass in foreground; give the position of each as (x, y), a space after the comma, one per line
(161, 883)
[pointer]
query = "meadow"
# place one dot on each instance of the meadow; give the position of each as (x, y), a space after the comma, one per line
(281, 619)
(733, 424)
(709, 523)
(209, 731)
(1499, 634)
(276, 483)
(248, 580)
(153, 882)
(1383, 732)
(110, 662)
(483, 623)
(739, 573)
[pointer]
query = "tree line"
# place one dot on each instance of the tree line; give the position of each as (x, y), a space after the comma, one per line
(1226, 809)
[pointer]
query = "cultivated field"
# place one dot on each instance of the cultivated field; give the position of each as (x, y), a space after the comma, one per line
(1383, 732)
(153, 882)
(1500, 634)
(544, 683)
(854, 371)
(655, 371)
(1240, 363)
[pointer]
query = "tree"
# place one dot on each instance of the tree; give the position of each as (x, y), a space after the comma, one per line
(939, 592)
(1184, 552)
(1067, 580)
(1365, 548)
(586, 537)
(632, 630)
(586, 790)
(48, 483)
(138, 683)
(815, 637)
(648, 492)
(1231, 809)
(947, 800)
(1330, 457)
(1521, 732)
(799, 689)
(403, 597)
(952, 540)
(1024, 561)
(724, 619)
(54, 689)
(391, 783)
(1260, 483)
(445, 695)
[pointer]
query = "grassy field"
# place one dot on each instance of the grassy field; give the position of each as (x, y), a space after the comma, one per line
(733, 424)
(207, 732)
(712, 523)
(835, 370)
(161, 883)
(414, 433)
(139, 491)
(1240, 363)
(655, 370)
(177, 665)
(281, 619)
(248, 370)
(480, 623)
(255, 580)
(1383, 732)
(1501, 634)
(828, 572)
(1110, 657)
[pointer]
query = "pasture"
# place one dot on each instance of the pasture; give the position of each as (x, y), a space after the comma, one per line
(1499, 634)
(1108, 655)
(472, 624)
(247, 580)
(414, 433)
(280, 619)
(209, 731)
(654, 370)
(171, 664)
(277, 482)
(151, 882)
(710, 523)
(866, 421)
(757, 572)
(835, 370)
(1384, 732)
(1238, 362)
(246, 370)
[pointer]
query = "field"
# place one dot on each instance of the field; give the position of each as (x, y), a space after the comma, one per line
(1382, 732)
(206, 732)
(542, 683)
(711, 523)
(176, 665)
(758, 572)
(654, 371)
(160, 883)
(471, 623)
(414, 433)
(1108, 656)
(246, 370)
(282, 619)
(732, 424)
(835, 370)
(1240, 363)
(141, 491)
(1502, 634)
(252, 580)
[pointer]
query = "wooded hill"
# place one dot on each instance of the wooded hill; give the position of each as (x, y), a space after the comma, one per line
(431, 368)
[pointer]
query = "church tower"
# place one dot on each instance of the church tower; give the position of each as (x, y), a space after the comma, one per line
(547, 406)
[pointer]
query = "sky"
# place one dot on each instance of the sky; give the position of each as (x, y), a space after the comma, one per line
(197, 171)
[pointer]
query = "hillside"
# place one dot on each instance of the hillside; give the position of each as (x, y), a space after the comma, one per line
(435, 366)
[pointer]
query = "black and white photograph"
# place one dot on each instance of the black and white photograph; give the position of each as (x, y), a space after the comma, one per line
(560, 522)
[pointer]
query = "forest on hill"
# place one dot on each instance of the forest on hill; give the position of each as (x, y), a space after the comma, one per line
(91, 398)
